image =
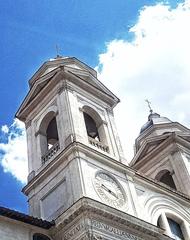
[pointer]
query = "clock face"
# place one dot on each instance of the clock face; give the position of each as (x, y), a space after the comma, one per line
(109, 189)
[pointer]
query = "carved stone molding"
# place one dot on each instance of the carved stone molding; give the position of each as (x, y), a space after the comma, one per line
(64, 86)
(129, 227)
(113, 230)
(73, 232)
(86, 237)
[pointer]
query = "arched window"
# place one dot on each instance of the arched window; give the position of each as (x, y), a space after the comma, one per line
(175, 229)
(39, 236)
(95, 128)
(172, 227)
(165, 177)
(51, 133)
(91, 128)
(48, 136)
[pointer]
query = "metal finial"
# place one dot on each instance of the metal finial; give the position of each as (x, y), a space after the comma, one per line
(149, 105)
(57, 51)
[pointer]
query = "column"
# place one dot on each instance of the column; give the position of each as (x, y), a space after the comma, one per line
(165, 225)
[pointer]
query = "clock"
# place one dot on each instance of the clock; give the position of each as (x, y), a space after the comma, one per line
(109, 189)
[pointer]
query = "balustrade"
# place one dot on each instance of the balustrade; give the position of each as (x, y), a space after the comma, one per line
(98, 144)
(50, 153)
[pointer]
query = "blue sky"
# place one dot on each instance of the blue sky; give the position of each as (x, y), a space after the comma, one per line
(100, 33)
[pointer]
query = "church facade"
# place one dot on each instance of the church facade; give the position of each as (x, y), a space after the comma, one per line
(80, 185)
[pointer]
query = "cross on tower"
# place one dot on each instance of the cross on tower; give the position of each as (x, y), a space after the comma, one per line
(149, 105)
(57, 51)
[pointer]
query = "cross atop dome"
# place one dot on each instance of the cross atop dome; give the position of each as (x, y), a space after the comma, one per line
(149, 105)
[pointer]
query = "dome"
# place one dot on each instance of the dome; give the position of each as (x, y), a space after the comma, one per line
(153, 119)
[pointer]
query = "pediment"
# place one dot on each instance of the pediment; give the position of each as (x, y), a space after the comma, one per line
(90, 79)
(154, 145)
(52, 64)
(72, 66)
(74, 71)
(149, 146)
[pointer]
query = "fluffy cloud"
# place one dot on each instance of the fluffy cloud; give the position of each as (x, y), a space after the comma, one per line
(13, 154)
(155, 65)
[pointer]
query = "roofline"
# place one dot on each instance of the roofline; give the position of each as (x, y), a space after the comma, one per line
(113, 97)
(147, 131)
(46, 63)
(115, 100)
(6, 212)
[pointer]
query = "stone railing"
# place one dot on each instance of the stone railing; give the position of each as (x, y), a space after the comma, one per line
(50, 153)
(98, 144)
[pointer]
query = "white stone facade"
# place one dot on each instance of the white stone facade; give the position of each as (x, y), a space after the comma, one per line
(83, 183)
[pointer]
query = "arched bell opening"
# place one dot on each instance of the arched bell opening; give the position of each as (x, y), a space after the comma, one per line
(165, 177)
(52, 133)
(48, 134)
(91, 128)
(95, 128)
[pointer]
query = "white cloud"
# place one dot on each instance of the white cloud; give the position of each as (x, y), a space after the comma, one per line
(13, 153)
(154, 65)
(5, 129)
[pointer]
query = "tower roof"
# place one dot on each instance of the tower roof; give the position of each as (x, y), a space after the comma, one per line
(153, 119)
(70, 70)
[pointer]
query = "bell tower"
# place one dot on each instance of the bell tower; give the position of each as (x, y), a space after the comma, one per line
(162, 152)
(68, 115)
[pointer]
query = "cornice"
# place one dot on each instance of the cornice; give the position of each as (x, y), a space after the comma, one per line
(160, 126)
(57, 62)
(174, 138)
(60, 73)
(163, 188)
(76, 148)
(96, 211)
(148, 142)
(30, 101)
(105, 95)
(136, 163)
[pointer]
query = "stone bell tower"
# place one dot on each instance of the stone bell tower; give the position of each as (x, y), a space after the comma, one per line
(78, 175)
(68, 115)
(162, 152)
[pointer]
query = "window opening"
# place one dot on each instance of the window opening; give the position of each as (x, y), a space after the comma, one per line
(48, 134)
(91, 128)
(175, 229)
(52, 133)
(166, 178)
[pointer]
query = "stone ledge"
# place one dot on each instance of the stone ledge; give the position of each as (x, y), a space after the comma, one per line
(107, 219)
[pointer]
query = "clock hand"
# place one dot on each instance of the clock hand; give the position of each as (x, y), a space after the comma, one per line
(108, 190)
